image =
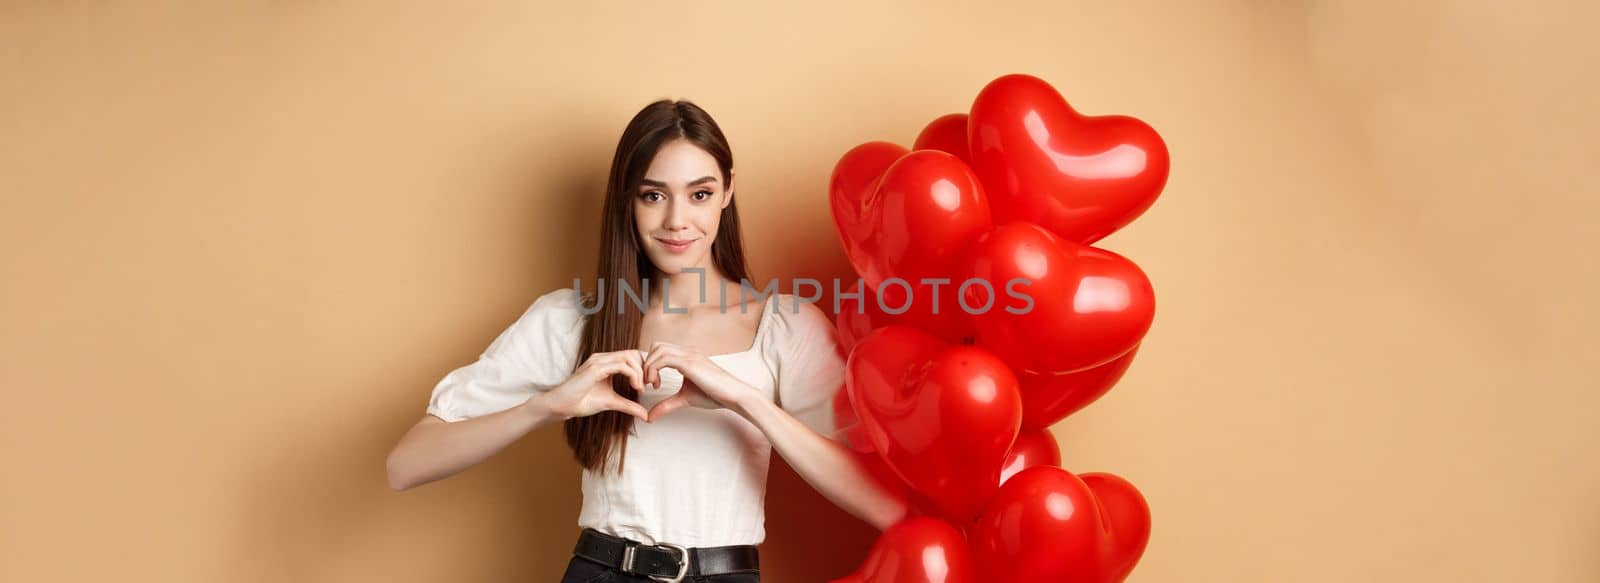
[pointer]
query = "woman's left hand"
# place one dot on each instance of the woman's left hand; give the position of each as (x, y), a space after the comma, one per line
(705, 385)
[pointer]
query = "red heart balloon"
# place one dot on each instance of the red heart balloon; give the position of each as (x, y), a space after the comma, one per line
(850, 191)
(916, 550)
(1084, 306)
(1041, 526)
(948, 133)
(858, 317)
(927, 209)
(943, 416)
(1080, 177)
(1046, 524)
(1127, 518)
(1034, 447)
(1047, 399)
(912, 233)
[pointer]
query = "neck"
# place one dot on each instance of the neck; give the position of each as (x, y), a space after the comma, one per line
(683, 290)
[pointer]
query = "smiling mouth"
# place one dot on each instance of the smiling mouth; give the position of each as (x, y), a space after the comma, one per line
(676, 243)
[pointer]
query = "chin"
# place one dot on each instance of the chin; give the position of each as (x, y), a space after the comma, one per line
(673, 268)
(673, 265)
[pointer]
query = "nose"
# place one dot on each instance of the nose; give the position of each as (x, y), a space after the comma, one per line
(677, 218)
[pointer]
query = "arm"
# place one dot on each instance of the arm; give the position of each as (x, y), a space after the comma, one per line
(434, 449)
(827, 465)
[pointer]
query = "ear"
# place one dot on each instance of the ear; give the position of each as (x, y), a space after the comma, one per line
(727, 200)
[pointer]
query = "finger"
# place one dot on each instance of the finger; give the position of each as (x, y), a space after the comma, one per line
(598, 358)
(635, 360)
(657, 361)
(668, 405)
(602, 369)
(648, 367)
(644, 373)
(627, 366)
(635, 376)
(617, 403)
(609, 367)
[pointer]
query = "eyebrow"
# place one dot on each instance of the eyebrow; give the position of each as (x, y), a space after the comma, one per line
(659, 184)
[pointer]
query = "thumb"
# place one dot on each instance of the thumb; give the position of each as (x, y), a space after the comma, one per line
(668, 405)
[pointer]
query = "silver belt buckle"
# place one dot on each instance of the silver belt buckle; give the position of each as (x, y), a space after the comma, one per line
(627, 558)
(683, 564)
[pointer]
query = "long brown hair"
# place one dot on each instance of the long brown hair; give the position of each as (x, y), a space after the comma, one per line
(623, 261)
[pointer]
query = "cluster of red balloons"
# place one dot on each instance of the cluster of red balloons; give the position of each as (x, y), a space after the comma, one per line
(949, 406)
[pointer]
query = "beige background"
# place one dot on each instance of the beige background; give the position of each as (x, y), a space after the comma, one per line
(241, 244)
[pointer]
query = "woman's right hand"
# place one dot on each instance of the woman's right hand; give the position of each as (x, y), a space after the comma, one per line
(588, 390)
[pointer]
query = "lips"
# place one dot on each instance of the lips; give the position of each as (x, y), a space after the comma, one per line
(675, 244)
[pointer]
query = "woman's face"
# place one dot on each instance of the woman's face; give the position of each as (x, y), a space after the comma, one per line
(679, 206)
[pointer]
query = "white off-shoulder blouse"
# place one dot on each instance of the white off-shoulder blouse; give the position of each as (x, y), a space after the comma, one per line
(696, 477)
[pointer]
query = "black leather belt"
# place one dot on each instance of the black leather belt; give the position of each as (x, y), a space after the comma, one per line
(665, 562)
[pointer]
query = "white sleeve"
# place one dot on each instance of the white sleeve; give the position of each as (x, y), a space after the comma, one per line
(536, 353)
(810, 364)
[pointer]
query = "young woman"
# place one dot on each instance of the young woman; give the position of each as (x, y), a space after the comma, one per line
(672, 410)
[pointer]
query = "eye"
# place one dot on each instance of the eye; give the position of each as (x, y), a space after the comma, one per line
(648, 194)
(705, 192)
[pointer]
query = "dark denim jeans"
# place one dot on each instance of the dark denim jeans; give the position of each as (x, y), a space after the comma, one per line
(581, 570)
